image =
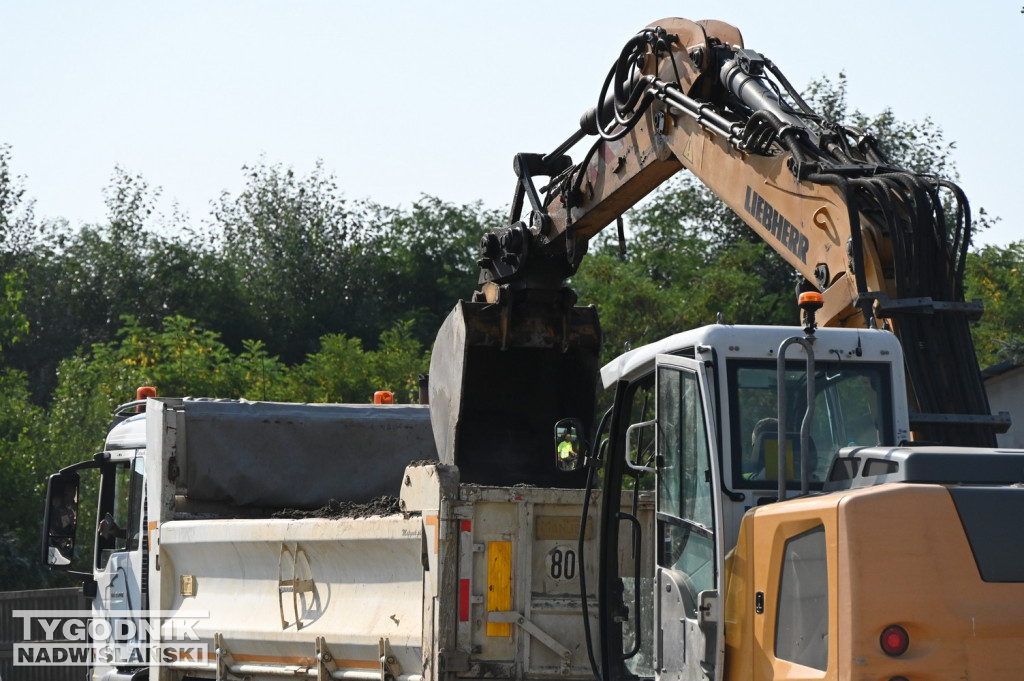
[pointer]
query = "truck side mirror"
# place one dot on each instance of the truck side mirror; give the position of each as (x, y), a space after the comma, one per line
(60, 521)
(569, 444)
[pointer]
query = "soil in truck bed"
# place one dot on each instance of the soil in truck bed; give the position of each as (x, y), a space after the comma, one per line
(381, 506)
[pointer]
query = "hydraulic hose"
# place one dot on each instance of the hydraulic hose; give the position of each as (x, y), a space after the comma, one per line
(756, 95)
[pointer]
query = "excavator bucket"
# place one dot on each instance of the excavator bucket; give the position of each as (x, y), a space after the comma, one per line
(500, 377)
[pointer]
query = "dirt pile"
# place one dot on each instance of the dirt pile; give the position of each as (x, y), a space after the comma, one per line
(381, 506)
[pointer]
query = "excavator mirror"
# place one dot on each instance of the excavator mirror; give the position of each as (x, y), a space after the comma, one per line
(568, 444)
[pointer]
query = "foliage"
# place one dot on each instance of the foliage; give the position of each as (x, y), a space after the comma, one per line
(286, 261)
(79, 284)
(183, 359)
(343, 371)
(20, 474)
(634, 310)
(12, 322)
(20, 423)
(286, 242)
(995, 275)
(15, 212)
(419, 262)
(290, 291)
(920, 146)
(398, 363)
(338, 372)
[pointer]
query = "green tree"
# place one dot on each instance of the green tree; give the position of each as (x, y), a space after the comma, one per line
(338, 371)
(289, 244)
(920, 146)
(178, 359)
(995, 274)
(398, 362)
(633, 307)
(13, 323)
(417, 263)
(342, 371)
(263, 376)
(16, 212)
(20, 430)
(81, 282)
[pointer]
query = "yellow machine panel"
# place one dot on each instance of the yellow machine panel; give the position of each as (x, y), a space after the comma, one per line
(896, 555)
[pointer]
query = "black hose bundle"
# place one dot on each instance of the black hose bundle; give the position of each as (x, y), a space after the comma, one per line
(928, 259)
(927, 223)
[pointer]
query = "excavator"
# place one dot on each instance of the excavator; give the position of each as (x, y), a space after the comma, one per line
(821, 502)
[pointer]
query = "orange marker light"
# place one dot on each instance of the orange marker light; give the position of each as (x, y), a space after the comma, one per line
(383, 397)
(810, 298)
(142, 393)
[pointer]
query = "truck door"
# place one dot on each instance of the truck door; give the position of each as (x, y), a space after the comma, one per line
(120, 561)
(689, 643)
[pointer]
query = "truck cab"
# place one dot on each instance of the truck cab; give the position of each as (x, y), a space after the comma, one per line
(121, 544)
(117, 534)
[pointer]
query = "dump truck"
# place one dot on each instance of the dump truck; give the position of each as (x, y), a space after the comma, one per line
(315, 541)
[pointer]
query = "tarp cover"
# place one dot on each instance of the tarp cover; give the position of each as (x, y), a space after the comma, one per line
(272, 454)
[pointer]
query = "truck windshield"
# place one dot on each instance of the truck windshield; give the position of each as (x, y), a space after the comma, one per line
(853, 406)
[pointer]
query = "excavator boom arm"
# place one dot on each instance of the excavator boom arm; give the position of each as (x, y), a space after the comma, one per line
(873, 238)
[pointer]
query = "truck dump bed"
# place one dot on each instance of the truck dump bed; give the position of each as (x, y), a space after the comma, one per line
(468, 581)
(276, 455)
(279, 592)
(457, 580)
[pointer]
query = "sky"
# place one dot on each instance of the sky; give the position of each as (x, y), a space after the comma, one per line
(400, 99)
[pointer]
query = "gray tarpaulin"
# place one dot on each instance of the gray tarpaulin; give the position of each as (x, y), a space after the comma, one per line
(300, 455)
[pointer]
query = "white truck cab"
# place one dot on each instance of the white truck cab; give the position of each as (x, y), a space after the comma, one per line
(116, 584)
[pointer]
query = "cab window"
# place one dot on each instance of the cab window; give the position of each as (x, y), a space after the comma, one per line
(120, 509)
(853, 406)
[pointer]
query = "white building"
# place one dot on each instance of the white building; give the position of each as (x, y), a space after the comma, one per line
(1004, 383)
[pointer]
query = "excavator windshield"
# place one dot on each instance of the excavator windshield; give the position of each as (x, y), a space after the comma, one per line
(853, 406)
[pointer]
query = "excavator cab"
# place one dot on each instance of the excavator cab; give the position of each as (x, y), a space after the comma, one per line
(691, 447)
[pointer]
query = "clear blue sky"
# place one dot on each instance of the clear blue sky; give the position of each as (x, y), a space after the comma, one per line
(404, 98)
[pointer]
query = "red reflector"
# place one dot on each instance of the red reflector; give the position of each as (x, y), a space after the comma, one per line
(464, 600)
(894, 640)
